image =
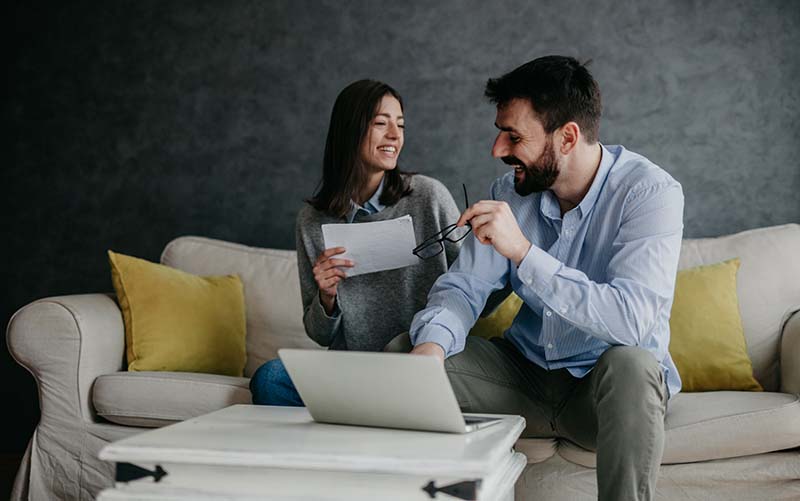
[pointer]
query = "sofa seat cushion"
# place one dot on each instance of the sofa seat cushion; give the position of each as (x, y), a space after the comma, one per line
(719, 424)
(536, 449)
(153, 399)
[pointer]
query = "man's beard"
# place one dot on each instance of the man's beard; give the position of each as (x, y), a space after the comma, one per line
(540, 175)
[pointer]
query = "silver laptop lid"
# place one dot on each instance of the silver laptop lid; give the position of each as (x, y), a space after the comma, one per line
(389, 390)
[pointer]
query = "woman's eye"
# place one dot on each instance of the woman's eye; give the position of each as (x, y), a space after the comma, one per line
(380, 123)
(402, 126)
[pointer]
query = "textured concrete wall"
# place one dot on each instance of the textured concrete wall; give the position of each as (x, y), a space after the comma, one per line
(135, 122)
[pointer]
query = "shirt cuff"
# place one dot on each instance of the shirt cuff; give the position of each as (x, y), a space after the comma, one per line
(537, 269)
(436, 335)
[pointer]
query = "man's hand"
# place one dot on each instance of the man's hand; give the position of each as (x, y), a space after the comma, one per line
(429, 349)
(493, 223)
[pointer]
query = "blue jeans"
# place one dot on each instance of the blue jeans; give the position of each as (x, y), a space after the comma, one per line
(271, 385)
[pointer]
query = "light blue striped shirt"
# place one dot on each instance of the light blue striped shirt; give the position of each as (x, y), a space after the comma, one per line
(603, 275)
(371, 206)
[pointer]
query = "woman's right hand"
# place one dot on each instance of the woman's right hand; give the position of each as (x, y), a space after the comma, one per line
(328, 273)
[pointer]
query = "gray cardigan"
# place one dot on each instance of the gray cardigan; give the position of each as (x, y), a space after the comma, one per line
(375, 307)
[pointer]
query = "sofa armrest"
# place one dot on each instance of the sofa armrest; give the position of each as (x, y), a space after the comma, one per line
(790, 355)
(66, 342)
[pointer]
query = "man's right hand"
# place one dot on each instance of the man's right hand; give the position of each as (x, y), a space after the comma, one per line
(430, 349)
(328, 273)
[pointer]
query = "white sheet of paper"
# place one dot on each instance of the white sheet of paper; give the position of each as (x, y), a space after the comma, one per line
(378, 246)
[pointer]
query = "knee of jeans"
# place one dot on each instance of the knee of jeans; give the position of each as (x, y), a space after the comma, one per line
(629, 363)
(263, 377)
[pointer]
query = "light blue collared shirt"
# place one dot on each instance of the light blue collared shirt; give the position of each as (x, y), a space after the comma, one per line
(371, 206)
(601, 275)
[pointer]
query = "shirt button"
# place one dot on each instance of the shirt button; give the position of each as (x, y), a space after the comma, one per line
(549, 346)
(548, 313)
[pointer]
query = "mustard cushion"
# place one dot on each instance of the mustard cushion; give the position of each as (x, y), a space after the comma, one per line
(496, 323)
(707, 341)
(176, 321)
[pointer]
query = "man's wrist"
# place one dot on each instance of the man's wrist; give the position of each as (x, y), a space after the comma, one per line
(524, 248)
(430, 348)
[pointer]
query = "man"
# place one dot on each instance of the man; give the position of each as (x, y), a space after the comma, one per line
(588, 236)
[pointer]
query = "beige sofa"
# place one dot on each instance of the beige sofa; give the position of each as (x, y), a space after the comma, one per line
(719, 445)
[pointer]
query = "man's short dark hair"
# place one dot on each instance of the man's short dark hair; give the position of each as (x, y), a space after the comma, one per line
(559, 88)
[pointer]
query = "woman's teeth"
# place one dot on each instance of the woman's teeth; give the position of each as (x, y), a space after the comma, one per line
(388, 149)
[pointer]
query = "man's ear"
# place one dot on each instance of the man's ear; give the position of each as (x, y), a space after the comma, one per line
(570, 135)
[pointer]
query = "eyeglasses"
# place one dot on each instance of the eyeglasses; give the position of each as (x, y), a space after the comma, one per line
(434, 245)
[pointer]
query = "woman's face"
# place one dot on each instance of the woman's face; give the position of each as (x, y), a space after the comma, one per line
(384, 139)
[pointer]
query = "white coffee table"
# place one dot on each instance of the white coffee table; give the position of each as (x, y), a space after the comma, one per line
(260, 452)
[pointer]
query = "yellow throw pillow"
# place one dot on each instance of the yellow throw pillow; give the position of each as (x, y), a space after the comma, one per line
(176, 321)
(496, 323)
(707, 341)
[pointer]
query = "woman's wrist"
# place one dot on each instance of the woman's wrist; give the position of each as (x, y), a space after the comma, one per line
(328, 302)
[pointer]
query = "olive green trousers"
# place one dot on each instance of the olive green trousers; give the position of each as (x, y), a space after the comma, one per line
(616, 410)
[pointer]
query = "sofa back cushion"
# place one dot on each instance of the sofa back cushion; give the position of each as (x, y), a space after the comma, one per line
(273, 306)
(768, 286)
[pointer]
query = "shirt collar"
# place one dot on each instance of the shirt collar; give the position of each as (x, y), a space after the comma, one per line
(371, 206)
(549, 205)
(606, 161)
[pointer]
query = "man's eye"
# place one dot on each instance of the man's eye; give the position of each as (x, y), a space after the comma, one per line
(514, 139)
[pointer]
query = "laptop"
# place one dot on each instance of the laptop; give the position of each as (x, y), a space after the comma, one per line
(387, 390)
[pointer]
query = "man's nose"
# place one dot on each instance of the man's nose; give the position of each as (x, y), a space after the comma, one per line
(500, 148)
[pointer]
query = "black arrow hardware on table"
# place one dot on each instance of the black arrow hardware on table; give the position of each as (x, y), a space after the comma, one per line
(127, 472)
(467, 490)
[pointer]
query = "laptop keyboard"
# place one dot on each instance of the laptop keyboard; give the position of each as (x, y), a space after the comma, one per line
(477, 419)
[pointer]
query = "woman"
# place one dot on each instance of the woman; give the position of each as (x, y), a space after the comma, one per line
(361, 183)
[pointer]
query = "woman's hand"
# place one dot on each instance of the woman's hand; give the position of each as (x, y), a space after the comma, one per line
(328, 273)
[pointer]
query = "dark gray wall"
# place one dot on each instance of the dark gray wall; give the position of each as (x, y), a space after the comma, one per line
(135, 122)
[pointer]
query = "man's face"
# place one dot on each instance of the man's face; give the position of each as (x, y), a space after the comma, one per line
(523, 144)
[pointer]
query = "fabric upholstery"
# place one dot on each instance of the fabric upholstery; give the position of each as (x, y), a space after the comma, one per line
(496, 323)
(537, 449)
(68, 342)
(706, 339)
(720, 424)
(178, 321)
(771, 476)
(768, 287)
(271, 290)
(153, 399)
(790, 355)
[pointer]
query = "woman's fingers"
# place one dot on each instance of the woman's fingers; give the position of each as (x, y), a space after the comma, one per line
(329, 285)
(327, 253)
(331, 264)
